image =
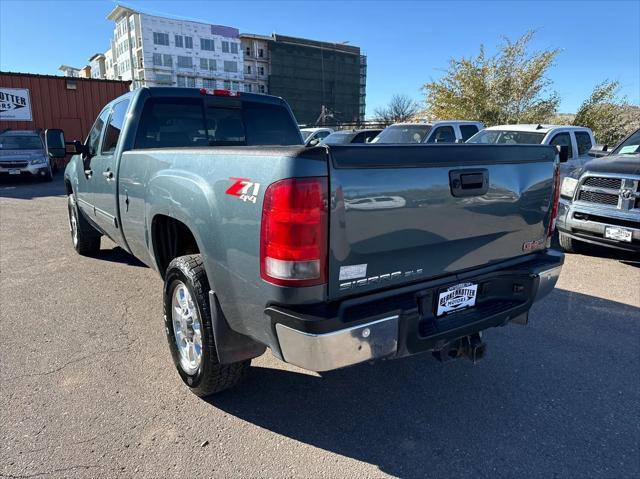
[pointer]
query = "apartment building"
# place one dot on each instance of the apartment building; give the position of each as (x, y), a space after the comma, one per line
(255, 50)
(98, 68)
(155, 51)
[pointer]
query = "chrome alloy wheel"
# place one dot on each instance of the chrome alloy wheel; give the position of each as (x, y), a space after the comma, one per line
(73, 225)
(187, 328)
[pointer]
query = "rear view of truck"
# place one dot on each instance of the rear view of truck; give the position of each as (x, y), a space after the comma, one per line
(426, 247)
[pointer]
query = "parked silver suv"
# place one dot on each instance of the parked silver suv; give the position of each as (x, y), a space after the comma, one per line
(22, 152)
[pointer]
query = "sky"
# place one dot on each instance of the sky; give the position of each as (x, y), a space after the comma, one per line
(407, 43)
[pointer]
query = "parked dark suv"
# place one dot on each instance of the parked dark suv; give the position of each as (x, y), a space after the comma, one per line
(22, 152)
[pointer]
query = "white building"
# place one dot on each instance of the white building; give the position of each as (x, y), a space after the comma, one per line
(255, 49)
(98, 67)
(158, 51)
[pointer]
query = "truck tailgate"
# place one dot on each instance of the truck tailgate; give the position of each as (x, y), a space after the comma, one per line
(405, 213)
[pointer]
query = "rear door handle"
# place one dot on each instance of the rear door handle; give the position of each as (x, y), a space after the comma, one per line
(108, 174)
(469, 182)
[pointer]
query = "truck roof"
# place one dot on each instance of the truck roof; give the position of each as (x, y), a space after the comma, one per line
(199, 92)
(12, 132)
(437, 122)
(536, 127)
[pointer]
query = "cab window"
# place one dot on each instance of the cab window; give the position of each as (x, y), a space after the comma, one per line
(583, 140)
(114, 127)
(562, 139)
(93, 140)
(442, 134)
(467, 131)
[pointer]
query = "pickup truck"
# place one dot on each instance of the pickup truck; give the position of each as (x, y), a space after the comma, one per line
(441, 131)
(600, 201)
(251, 232)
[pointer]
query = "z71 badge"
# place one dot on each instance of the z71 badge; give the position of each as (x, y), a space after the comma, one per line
(244, 189)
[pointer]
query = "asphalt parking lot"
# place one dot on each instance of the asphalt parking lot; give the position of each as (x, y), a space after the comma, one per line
(87, 387)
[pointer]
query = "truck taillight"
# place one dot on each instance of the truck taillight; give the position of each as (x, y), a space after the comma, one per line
(293, 234)
(556, 200)
(218, 92)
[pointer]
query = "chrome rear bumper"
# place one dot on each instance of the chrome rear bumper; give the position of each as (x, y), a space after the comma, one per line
(547, 281)
(323, 352)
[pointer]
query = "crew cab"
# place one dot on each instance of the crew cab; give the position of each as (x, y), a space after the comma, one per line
(600, 202)
(22, 152)
(577, 140)
(261, 242)
(449, 131)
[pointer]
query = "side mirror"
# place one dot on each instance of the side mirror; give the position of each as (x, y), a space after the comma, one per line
(54, 143)
(598, 151)
(314, 142)
(563, 152)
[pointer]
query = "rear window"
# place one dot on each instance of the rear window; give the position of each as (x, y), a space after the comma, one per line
(506, 137)
(185, 122)
(337, 139)
(467, 131)
(403, 134)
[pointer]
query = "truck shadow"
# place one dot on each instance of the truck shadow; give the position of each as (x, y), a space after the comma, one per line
(561, 384)
(118, 255)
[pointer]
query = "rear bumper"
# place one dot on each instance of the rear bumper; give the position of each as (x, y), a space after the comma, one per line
(588, 224)
(402, 322)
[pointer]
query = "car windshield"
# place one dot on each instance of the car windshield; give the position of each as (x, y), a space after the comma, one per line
(631, 146)
(337, 139)
(508, 137)
(15, 142)
(306, 134)
(403, 134)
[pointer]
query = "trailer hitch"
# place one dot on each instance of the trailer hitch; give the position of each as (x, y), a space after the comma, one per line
(472, 347)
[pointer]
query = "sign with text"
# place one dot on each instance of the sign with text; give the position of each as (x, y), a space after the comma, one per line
(15, 104)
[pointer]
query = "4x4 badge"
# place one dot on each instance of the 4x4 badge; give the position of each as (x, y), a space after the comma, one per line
(244, 189)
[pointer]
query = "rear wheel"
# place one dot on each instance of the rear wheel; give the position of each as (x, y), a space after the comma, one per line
(187, 317)
(85, 239)
(568, 243)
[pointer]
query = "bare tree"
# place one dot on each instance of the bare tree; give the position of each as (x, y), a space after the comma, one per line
(400, 108)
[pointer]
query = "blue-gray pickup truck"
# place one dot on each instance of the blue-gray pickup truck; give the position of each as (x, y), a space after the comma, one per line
(262, 242)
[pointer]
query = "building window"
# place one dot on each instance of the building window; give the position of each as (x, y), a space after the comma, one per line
(248, 72)
(227, 84)
(181, 81)
(168, 61)
(260, 53)
(230, 66)
(207, 64)
(234, 85)
(207, 44)
(191, 82)
(185, 62)
(179, 41)
(261, 71)
(208, 83)
(161, 38)
(261, 89)
(188, 82)
(234, 48)
(248, 51)
(225, 47)
(188, 43)
(162, 60)
(157, 59)
(247, 87)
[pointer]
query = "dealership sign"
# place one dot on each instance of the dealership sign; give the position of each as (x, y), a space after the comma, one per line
(15, 104)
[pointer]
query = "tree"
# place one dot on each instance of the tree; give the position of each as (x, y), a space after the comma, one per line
(508, 87)
(400, 108)
(610, 117)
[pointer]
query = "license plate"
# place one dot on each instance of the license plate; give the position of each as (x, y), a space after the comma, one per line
(14, 172)
(455, 298)
(618, 234)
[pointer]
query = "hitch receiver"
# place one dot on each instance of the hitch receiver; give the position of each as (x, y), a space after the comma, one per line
(472, 347)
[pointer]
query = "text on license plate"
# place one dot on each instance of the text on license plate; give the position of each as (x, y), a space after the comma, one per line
(14, 172)
(617, 233)
(457, 297)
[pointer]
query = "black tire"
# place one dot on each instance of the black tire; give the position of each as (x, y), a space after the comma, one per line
(211, 377)
(568, 243)
(85, 239)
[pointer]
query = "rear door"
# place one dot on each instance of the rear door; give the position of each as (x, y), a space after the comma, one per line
(104, 171)
(402, 213)
(442, 134)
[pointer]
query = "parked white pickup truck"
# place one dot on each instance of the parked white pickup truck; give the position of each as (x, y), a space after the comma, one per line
(446, 131)
(578, 140)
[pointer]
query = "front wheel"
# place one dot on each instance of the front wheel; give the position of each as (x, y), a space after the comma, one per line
(568, 243)
(187, 317)
(86, 241)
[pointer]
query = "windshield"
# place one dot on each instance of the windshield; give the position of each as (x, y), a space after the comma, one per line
(501, 137)
(403, 134)
(15, 142)
(306, 134)
(337, 139)
(630, 146)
